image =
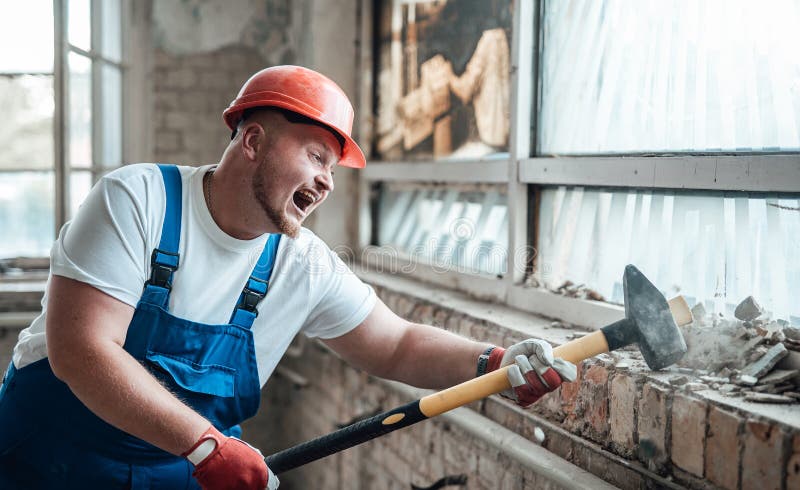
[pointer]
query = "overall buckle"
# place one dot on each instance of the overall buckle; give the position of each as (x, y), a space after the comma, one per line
(250, 297)
(161, 272)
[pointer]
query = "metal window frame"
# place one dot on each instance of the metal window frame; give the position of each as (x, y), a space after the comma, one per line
(521, 172)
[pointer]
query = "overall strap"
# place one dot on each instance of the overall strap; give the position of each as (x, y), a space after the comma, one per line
(256, 288)
(164, 259)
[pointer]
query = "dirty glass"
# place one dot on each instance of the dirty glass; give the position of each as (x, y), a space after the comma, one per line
(712, 247)
(628, 76)
(460, 229)
(443, 79)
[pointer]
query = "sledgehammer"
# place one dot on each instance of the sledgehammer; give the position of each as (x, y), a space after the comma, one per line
(649, 321)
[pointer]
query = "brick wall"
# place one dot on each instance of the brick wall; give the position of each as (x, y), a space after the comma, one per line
(190, 91)
(628, 426)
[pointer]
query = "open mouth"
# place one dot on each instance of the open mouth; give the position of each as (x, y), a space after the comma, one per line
(303, 200)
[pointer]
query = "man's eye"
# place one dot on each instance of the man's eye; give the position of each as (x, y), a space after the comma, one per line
(317, 158)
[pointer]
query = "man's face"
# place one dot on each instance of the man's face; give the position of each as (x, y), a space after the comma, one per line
(295, 174)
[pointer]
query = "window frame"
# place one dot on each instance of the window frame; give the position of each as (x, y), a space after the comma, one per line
(524, 170)
(63, 48)
(61, 170)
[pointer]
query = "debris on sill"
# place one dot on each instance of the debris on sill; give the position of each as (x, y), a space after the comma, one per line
(571, 290)
(751, 356)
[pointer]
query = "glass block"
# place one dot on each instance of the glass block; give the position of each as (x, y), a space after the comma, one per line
(29, 22)
(27, 212)
(26, 135)
(111, 30)
(79, 30)
(112, 116)
(79, 131)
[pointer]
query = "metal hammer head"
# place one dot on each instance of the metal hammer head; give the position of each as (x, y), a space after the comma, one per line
(648, 321)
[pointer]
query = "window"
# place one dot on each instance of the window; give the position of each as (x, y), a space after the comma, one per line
(629, 134)
(62, 97)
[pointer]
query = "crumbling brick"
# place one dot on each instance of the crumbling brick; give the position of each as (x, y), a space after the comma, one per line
(594, 397)
(762, 458)
(722, 448)
(622, 420)
(793, 465)
(652, 426)
(688, 433)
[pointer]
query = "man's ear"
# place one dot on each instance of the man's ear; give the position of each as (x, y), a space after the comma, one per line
(253, 138)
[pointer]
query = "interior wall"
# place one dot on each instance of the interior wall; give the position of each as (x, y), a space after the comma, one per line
(202, 51)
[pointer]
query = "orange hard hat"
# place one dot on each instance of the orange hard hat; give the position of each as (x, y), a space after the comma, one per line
(305, 92)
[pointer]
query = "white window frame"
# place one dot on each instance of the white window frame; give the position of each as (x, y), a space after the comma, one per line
(757, 172)
(61, 124)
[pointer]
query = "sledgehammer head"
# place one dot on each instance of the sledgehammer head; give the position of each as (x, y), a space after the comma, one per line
(648, 321)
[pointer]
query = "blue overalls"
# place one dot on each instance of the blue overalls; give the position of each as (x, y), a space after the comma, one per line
(50, 440)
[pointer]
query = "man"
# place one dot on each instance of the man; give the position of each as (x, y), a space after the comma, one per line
(175, 291)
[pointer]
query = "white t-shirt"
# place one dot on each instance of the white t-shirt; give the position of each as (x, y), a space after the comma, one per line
(109, 242)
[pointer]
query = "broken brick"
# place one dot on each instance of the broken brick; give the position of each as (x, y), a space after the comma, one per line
(762, 457)
(688, 432)
(722, 448)
(793, 466)
(652, 426)
(622, 421)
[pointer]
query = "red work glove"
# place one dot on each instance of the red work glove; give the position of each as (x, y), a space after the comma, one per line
(533, 372)
(228, 463)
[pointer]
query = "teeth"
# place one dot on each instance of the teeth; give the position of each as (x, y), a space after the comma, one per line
(309, 195)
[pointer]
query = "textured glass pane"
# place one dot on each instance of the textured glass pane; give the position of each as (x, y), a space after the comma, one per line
(26, 133)
(112, 116)
(458, 230)
(80, 182)
(26, 214)
(26, 36)
(80, 111)
(80, 24)
(443, 79)
(711, 247)
(112, 26)
(672, 75)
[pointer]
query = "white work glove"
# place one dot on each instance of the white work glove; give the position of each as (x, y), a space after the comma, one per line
(533, 372)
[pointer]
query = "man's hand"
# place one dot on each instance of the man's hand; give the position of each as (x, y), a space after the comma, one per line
(533, 372)
(223, 463)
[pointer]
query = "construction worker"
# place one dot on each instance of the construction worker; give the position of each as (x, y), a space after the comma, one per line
(175, 291)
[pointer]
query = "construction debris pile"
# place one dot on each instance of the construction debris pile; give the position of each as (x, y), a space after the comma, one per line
(751, 356)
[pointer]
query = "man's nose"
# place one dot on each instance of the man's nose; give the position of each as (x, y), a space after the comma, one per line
(325, 180)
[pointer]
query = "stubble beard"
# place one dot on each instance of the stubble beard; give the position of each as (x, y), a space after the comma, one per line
(277, 216)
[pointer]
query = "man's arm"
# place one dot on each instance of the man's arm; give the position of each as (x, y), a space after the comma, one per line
(388, 346)
(86, 332)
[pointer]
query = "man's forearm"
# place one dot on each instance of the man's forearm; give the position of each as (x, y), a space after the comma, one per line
(119, 390)
(429, 357)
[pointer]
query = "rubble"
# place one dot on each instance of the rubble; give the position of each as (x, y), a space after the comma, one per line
(766, 362)
(768, 398)
(748, 309)
(568, 288)
(779, 376)
(792, 333)
(751, 356)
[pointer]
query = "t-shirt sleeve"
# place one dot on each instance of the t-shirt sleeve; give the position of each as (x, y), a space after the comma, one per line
(344, 302)
(105, 245)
